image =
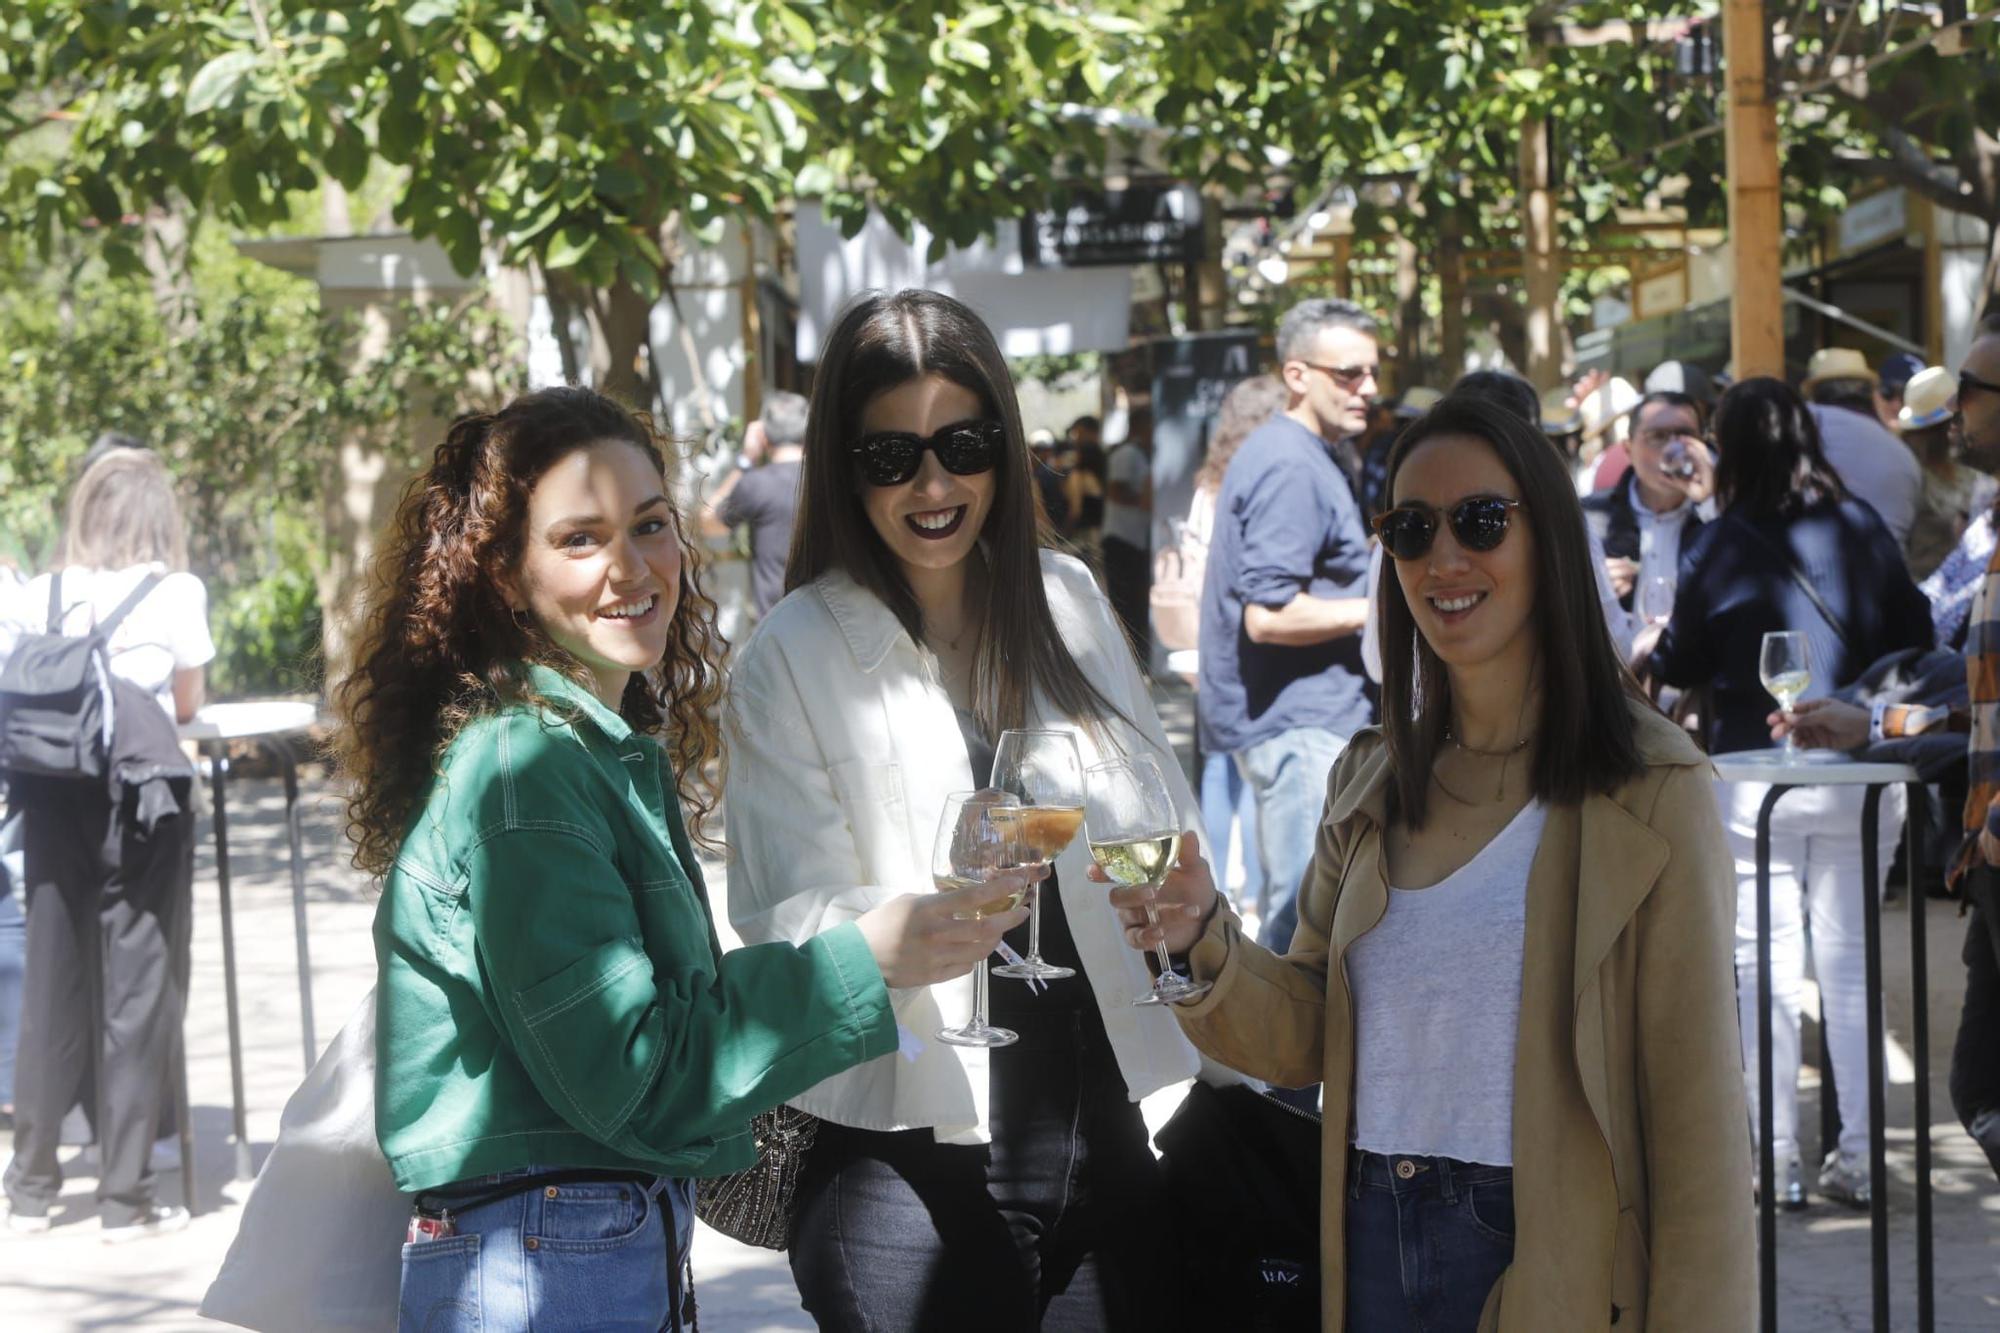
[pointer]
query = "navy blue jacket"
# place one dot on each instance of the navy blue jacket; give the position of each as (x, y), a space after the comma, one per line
(1735, 587)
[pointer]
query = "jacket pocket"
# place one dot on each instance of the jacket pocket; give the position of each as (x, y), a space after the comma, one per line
(598, 971)
(878, 815)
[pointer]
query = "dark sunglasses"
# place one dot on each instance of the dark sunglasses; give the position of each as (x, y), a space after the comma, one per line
(1968, 380)
(892, 457)
(1479, 522)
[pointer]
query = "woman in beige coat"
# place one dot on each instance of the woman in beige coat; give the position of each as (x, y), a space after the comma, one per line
(1512, 967)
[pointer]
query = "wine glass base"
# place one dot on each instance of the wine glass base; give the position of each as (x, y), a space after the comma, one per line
(977, 1034)
(1034, 969)
(1174, 991)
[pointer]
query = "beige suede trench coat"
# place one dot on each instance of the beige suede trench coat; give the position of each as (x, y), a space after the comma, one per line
(1632, 1199)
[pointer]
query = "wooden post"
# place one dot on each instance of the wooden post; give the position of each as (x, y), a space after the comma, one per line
(1409, 314)
(1343, 270)
(1540, 269)
(1756, 207)
(1451, 296)
(753, 329)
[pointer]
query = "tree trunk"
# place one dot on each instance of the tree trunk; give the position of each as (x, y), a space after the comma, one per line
(565, 306)
(621, 346)
(167, 236)
(1451, 293)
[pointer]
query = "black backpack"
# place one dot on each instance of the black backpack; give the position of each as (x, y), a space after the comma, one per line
(55, 696)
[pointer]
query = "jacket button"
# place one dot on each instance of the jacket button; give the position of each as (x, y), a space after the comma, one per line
(550, 1192)
(534, 1244)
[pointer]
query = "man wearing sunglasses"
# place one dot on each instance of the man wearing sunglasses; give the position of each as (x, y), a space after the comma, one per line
(1285, 597)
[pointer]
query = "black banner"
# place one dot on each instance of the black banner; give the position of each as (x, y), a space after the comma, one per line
(1140, 224)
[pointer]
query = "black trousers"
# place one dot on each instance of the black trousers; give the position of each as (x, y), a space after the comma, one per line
(1128, 582)
(1975, 1057)
(1048, 1227)
(105, 988)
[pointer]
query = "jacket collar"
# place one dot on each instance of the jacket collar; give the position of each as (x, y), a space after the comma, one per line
(573, 698)
(869, 626)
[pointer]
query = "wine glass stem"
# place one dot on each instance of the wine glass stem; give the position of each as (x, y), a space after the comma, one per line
(1035, 923)
(1153, 920)
(979, 984)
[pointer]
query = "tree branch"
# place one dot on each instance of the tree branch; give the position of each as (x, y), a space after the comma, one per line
(1905, 162)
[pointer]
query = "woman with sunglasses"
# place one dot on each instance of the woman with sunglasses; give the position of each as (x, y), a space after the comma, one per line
(949, 1187)
(1793, 551)
(1512, 964)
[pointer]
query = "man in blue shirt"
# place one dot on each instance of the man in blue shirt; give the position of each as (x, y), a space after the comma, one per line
(1285, 596)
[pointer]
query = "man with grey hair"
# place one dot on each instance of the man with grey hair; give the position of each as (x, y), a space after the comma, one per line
(765, 498)
(1285, 596)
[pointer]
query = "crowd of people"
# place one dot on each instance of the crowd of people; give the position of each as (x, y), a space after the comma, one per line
(1459, 655)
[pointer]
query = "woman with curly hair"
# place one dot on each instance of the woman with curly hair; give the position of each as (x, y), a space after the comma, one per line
(562, 1046)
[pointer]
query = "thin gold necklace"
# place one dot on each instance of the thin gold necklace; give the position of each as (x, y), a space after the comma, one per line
(1510, 751)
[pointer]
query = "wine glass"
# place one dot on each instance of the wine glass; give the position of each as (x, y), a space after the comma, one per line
(1041, 768)
(1133, 829)
(977, 841)
(1786, 670)
(1656, 599)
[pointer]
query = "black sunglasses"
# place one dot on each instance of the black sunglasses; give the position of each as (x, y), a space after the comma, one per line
(1968, 380)
(892, 457)
(1479, 522)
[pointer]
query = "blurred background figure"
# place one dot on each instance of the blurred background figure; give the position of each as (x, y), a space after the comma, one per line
(1792, 551)
(1892, 377)
(109, 871)
(1128, 530)
(1050, 483)
(1863, 452)
(762, 493)
(1083, 487)
(1606, 404)
(1953, 493)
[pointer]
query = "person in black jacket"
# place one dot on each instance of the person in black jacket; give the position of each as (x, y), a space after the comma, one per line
(1792, 550)
(1646, 520)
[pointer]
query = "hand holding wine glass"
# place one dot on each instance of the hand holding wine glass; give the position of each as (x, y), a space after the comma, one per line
(982, 856)
(1134, 832)
(1041, 769)
(1785, 667)
(1181, 905)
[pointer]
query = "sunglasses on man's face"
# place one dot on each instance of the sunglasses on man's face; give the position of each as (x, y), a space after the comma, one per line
(1968, 381)
(965, 448)
(1478, 522)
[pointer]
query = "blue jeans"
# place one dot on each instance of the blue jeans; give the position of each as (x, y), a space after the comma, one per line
(596, 1254)
(1226, 806)
(1427, 1237)
(1287, 773)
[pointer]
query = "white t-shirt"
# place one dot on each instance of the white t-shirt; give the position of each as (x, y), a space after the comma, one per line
(1128, 466)
(165, 633)
(1437, 1007)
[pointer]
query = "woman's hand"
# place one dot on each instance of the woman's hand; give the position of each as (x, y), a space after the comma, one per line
(1822, 724)
(920, 939)
(1183, 904)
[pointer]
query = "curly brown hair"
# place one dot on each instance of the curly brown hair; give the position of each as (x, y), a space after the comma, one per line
(1248, 404)
(440, 646)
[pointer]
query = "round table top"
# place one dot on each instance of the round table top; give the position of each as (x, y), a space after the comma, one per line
(251, 718)
(1808, 768)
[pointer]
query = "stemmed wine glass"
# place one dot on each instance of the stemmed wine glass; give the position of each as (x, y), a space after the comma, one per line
(976, 842)
(1133, 829)
(1040, 768)
(1786, 670)
(1656, 599)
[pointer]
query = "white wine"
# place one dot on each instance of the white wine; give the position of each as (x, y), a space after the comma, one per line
(1787, 686)
(1141, 860)
(1005, 902)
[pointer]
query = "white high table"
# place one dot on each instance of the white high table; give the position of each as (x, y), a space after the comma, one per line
(277, 727)
(1824, 768)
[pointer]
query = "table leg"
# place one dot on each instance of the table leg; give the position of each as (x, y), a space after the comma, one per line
(239, 1117)
(1878, 1174)
(283, 751)
(1919, 826)
(183, 1122)
(1767, 1175)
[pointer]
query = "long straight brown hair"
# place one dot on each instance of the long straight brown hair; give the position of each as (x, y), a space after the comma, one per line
(1587, 742)
(879, 342)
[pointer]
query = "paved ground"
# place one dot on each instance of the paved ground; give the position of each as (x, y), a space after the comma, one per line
(67, 1280)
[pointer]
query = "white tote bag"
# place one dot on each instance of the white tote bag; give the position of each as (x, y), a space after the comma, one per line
(319, 1247)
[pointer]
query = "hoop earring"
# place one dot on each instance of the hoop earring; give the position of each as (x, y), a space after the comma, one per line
(521, 620)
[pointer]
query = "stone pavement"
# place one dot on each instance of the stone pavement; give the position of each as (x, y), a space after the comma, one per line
(67, 1280)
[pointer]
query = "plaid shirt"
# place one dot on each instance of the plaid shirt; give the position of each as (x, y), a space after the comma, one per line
(1982, 675)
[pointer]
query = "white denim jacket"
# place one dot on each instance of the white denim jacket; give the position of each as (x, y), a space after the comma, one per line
(842, 748)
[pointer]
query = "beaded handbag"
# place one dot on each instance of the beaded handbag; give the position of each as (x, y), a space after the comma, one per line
(755, 1206)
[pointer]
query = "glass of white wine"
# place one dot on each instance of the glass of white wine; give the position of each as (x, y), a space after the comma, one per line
(980, 838)
(1656, 599)
(1042, 770)
(1133, 828)
(1786, 670)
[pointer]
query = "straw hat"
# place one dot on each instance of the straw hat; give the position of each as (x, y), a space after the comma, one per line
(1608, 404)
(1927, 399)
(1837, 363)
(1417, 400)
(1559, 414)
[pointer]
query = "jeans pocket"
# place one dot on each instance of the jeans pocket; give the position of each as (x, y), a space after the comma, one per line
(440, 1288)
(596, 1212)
(1490, 1207)
(608, 1280)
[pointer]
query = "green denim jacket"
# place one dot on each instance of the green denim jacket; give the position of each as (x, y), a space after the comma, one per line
(551, 991)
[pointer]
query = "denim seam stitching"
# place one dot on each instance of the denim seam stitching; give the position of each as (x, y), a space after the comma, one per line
(556, 1069)
(577, 997)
